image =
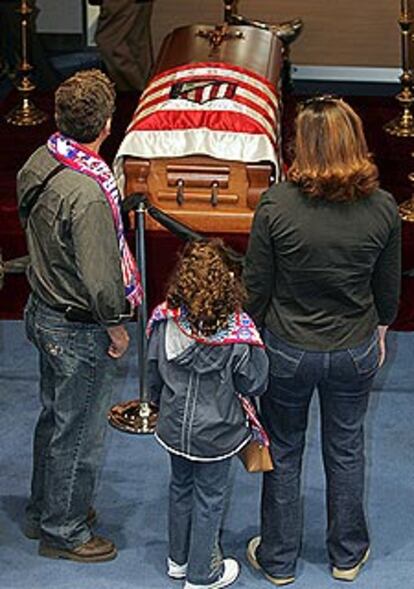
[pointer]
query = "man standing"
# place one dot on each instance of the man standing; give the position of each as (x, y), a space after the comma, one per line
(82, 276)
(123, 36)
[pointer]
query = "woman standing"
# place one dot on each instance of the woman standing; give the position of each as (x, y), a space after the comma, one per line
(323, 274)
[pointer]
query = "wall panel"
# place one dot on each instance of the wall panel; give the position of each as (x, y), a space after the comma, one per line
(336, 32)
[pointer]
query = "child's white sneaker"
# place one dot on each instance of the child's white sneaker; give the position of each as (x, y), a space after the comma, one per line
(176, 571)
(230, 574)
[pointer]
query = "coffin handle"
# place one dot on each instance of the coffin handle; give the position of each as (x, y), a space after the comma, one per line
(214, 193)
(180, 192)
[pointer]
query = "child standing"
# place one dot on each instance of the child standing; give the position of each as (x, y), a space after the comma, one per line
(202, 351)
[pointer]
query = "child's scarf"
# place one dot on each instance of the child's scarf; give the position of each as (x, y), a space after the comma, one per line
(240, 328)
(84, 161)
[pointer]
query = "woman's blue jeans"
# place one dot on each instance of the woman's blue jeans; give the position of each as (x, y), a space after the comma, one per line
(198, 497)
(75, 393)
(343, 380)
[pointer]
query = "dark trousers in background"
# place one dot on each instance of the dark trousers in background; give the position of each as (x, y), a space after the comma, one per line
(343, 380)
(198, 498)
(123, 36)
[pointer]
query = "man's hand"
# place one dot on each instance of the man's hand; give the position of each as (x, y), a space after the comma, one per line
(382, 330)
(119, 341)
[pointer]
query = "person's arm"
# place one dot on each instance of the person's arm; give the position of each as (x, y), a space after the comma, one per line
(386, 277)
(98, 261)
(251, 370)
(386, 284)
(259, 267)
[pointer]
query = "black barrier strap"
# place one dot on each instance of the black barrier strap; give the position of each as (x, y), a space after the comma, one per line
(175, 227)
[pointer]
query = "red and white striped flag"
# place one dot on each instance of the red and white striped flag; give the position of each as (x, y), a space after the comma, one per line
(215, 109)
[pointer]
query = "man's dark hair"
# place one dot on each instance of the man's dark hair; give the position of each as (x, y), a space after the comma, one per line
(83, 104)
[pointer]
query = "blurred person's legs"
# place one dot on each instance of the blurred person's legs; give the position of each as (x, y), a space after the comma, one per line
(123, 36)
(76, 385)
(344, 400)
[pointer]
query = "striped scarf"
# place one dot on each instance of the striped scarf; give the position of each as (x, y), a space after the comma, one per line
(84, 161)
(239, 330)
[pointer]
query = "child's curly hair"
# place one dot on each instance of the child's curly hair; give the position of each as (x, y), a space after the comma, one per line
(207, 282)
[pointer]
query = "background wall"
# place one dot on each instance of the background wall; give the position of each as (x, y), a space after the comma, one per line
(356, 33)
(336, 32)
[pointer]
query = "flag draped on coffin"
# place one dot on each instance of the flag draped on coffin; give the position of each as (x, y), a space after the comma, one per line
(214, 109)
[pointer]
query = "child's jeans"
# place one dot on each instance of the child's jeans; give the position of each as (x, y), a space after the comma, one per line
(198, 493)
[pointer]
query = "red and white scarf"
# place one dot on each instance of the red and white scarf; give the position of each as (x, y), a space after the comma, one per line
(239, 330)
(82, 160)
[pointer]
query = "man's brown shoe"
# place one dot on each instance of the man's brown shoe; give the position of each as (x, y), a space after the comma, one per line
(33, 532)
(97, 549)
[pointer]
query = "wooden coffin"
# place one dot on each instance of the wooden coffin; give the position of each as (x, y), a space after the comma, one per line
(249, 47)
(209, 194)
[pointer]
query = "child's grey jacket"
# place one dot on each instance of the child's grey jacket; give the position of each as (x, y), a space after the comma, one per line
(196, 385)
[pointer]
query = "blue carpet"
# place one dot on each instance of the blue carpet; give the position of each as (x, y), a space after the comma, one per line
(132, 493)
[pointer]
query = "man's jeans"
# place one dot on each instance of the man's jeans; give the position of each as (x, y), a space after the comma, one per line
(343, 380)
(198, 495)
(75, 393)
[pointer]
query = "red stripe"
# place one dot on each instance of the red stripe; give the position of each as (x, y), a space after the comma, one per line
(141, 124)
(215, 90)
(198, 93)
(170, 120)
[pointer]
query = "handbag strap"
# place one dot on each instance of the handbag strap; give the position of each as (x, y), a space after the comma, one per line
(26, 208)
(257, 428)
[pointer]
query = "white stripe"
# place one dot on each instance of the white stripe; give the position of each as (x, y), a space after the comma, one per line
(206, 95)
(222, 145)
(222, 90)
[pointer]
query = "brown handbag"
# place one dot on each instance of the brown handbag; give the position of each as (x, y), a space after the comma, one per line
(256, 457)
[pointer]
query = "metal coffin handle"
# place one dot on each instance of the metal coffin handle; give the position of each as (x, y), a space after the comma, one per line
(180, 192)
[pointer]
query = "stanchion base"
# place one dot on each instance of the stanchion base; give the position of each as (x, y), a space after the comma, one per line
(133, 417)
(25, 115)
(406, 210)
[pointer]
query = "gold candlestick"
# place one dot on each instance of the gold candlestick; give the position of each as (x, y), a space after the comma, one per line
(406, 208)
(25, 113)
(403, 126)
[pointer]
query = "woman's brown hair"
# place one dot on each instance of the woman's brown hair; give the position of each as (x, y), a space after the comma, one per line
(331, 160)
(207, 283)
